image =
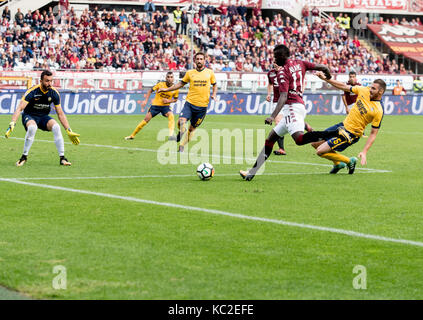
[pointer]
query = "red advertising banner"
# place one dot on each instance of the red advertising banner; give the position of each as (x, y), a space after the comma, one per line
(214, 3)
(404, 40)
(325, 3)
(416, 5)
(376, 4)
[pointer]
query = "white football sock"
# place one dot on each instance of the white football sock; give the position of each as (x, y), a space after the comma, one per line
(29, 138)
(58, 139)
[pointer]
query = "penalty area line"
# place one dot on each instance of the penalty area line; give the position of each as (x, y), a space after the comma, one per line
(349, 233)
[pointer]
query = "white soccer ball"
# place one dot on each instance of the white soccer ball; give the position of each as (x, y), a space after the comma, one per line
(205, 171)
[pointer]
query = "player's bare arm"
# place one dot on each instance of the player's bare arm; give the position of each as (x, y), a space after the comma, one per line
(281, 102)
(324, 69)
(73, 136)
(15, 117)
(62, 117)
(19, 110)
(149, 92)
(337, 84)
(363, 154)
(347, 110)
(214, 92)
(177, 86)
(269, 92)
(173, 100)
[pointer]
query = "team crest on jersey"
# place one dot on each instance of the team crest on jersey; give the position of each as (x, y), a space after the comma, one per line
(49, 99)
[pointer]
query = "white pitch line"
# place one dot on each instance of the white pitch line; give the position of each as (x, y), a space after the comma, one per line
(223, 213)
(172, 176)
(210, 155)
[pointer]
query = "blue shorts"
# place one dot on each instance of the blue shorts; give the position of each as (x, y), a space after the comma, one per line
(193, 113)
(155, 110)
(41, 121)
(339, 143)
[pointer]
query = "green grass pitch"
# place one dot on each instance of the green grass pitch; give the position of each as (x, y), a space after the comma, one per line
(129, 248)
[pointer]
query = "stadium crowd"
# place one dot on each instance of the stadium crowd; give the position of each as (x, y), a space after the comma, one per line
(233, 41)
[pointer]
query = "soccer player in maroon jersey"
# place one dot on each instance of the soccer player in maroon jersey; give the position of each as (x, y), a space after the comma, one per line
(350, 98)
(273, 85)
(291, 87)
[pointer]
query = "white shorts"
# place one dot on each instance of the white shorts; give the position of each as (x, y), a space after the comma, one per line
(292, 121)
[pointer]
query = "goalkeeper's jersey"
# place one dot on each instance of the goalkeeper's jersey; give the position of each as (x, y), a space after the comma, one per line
(39, 101)
(158, 99)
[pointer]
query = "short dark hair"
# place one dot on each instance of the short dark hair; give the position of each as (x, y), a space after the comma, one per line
(47, 73)
(352, 72)
(282, 50)
(170, 72)
(381, 83)
(199, 54)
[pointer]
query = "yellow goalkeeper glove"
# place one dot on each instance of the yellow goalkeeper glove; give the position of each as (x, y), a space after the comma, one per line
(73, 136)
(10, 129)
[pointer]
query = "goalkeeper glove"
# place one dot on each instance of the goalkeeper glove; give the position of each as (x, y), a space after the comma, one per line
(10, 129)
(73, 136)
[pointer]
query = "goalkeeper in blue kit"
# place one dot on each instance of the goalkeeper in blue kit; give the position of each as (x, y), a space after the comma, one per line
(35, 109)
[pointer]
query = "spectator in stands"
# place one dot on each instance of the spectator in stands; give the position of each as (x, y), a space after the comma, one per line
(242, 10)
(223, 10)
(177, 18)
(201, 11)
(184, 22)
(257, 11)
(6, 13)
(356, 42)
(306, 14)
(418, 85)
(226, 66)
(404, 22)
(347, 21)
(399, 89)
(232, 10)
(209, 10)
(149, 7)
(315, 13)
(64, 5)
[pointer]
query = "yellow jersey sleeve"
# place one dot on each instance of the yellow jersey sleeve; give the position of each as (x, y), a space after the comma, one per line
(377, 120)
(212, 79)
(186, 77)
(359, 90)
(156, 87)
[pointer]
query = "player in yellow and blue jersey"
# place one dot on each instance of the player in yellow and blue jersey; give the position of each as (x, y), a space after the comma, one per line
(35, 107)
(368, 109)
(160, 104)
(200, 80)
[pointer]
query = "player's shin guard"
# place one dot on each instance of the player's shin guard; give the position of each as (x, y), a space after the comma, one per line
(141, 125)
(58, 139)
(29, 138)
(171, 124)
(264, 154)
